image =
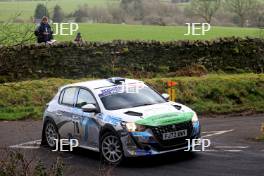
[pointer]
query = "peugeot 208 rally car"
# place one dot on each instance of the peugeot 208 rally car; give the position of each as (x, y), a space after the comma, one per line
(119, 118)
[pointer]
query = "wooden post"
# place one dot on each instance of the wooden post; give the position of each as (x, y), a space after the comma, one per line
(172, 90)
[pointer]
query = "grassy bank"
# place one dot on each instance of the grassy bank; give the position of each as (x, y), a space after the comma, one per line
(261, 138)
(220, 94)
(214, 94)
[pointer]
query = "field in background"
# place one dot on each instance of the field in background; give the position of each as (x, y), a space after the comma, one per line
(9, 9)
(27, 8)
(101, 32)
(109, 32)
(211, 94)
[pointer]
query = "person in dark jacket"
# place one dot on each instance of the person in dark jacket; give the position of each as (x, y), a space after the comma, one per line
(78, 38)
(44, 32)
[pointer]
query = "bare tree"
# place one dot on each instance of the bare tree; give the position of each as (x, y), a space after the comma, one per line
(205, 9)
(242, 8)
(16, 34)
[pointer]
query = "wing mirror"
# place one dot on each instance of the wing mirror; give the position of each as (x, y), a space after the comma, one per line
(166, 96)
(89, 108)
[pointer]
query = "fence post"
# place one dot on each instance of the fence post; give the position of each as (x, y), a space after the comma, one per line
(172, 90)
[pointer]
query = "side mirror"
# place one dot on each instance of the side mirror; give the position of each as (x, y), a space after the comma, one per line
(89, 108)
(166, 96)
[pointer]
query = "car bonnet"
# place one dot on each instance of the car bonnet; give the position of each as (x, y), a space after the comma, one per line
(154, 115)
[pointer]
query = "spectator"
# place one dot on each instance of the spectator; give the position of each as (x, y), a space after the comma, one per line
(44, 32)
(78, 38)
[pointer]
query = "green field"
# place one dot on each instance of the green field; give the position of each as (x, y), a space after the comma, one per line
(27, 8)
(108, 32)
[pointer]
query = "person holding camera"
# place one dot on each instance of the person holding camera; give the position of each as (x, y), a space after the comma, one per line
(44, 32)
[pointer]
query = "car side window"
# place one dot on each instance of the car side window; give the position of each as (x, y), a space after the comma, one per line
(68, 96)
(84, 97)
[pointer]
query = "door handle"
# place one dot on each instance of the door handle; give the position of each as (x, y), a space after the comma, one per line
(75, 120)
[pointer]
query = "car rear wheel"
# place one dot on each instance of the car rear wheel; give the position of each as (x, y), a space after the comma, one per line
(51, 134)
(111, 148)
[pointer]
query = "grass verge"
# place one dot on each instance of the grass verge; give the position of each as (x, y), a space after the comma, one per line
(211, 94)
(260, 138)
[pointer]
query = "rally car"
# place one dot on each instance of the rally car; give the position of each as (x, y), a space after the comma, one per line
(119, 118)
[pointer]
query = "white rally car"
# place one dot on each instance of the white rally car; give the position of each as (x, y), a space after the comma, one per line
(119, 118)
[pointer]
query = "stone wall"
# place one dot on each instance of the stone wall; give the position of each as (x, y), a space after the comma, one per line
(128, 58)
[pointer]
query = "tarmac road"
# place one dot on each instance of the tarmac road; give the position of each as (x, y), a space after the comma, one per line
(233, 151)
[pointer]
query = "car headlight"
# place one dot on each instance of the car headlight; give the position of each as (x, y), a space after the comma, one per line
(195, 118)
(132, 127)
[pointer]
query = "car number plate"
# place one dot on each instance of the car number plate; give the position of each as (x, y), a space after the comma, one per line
(175, 134)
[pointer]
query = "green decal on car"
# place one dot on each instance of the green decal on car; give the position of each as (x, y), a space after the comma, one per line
(166, 119)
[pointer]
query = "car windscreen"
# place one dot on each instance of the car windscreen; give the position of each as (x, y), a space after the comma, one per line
(118, 97)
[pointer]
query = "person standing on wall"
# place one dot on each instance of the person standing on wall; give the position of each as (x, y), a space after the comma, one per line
(44, 32)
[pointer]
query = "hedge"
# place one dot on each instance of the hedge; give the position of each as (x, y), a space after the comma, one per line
(128, 58)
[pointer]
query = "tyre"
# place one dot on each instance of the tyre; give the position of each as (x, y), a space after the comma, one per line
(111, 148)
(51, 134)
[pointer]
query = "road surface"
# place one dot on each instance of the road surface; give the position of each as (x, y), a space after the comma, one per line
(233, 151)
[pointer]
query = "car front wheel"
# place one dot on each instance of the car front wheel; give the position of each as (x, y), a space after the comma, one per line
(111, 148)
(51, 134)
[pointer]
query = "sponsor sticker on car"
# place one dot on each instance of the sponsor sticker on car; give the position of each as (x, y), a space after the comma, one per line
(127, 88)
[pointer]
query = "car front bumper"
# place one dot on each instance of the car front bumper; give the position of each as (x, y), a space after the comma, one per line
(145, 143)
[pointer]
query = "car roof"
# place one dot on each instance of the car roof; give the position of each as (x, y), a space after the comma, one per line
(96, 84)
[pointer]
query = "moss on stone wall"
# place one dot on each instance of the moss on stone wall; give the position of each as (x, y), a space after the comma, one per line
(130, 58)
